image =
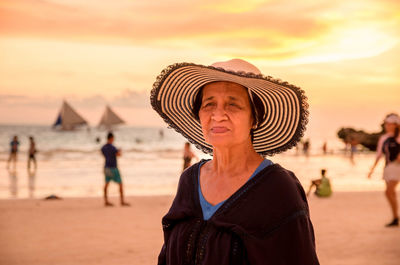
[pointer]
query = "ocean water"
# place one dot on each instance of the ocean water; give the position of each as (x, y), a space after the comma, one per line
(70, 163)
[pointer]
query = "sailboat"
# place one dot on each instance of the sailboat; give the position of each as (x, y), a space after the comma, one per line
(109, 119)
(68, 119)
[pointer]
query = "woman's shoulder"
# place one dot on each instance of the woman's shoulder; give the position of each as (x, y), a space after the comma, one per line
(282, 185)
(276, 193)
(189, 175)
(184, 203)
(193, 168)
(391, 141)
(279, 175)
(384, 137)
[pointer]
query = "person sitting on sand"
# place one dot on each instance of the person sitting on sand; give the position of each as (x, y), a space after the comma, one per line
(322, 185)
(111, 171)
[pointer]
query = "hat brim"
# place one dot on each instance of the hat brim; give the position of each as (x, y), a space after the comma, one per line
(285, 105)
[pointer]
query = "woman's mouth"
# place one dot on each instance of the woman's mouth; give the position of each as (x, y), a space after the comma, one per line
(219, 129)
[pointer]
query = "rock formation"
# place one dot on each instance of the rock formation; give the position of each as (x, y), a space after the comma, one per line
(368, 140)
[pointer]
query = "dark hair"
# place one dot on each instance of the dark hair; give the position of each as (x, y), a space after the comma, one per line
(31, 138)
(110, 135)
(323, 172)
(257, 108)
(197, 104)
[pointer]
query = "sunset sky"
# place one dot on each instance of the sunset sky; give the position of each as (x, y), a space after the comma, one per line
(344, 54)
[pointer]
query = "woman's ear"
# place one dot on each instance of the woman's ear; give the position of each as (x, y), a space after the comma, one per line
(254, 122)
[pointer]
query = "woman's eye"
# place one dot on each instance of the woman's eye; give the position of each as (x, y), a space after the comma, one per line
(209, 104)
(234, 105)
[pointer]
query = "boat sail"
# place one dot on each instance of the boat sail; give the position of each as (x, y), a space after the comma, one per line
(110, 119)
(68, 118)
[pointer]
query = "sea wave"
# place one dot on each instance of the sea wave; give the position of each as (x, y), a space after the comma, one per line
(160, 152)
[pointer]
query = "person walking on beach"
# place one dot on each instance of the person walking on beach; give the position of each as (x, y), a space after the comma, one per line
(111, 171)
(322, 186)
(389, 147)
(325, 148)
(237, 207)
(353, 149)
(306, 147)
(31, 153)
(187, 156)
(13, 152)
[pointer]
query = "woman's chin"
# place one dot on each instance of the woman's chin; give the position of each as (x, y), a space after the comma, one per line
(221, 142)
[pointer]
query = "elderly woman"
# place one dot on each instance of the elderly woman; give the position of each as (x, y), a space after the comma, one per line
(238, 207)
(389, 147)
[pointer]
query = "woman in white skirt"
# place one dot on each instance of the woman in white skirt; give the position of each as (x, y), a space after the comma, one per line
(389, 146)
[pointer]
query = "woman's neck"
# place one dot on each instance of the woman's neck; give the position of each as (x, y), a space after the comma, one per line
(228, 161)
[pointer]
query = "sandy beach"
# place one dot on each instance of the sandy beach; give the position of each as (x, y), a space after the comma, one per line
(348, 228)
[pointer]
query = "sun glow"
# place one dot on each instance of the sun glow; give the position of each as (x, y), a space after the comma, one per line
(234, 6)
(94, 51)
(348, 44)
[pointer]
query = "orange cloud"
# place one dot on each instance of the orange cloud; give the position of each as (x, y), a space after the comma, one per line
(139, 22)
(272, 30)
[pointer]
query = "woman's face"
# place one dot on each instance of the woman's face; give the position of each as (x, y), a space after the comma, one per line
(225, 114)
(390, 127)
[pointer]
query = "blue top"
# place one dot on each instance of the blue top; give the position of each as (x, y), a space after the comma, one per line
(209, 209)
(14, 146)
(110, 154)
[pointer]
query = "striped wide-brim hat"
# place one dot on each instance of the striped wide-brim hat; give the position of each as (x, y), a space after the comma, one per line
(285, 106)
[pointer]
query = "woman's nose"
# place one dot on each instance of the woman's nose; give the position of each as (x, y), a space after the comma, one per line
(219, 114)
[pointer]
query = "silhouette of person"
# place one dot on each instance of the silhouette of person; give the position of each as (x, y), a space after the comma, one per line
(389, 147)
(31, 153)
(187, 156)
(324, 147)
(306, 147)
(13, 152)
(322, 186)
(111, 171)
(353, 149)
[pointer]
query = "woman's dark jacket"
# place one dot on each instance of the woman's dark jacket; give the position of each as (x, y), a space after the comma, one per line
(265, 222)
